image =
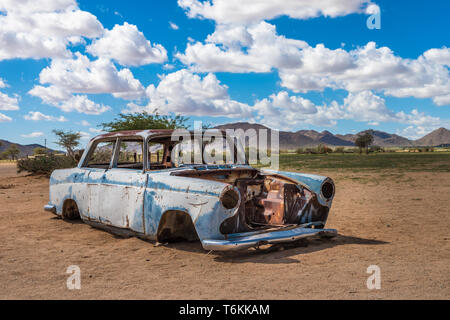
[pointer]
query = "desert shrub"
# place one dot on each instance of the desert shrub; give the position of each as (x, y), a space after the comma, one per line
(322, 149)
(45, 165)
(373, 149)
(351, 150)
(339, 150)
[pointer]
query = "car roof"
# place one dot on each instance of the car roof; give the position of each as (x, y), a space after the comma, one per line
(142, 133)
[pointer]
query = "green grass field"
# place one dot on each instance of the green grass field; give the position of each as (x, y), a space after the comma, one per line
(435, 161)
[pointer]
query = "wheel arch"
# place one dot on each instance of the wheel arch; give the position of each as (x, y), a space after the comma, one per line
(176, 225)
(70, 210)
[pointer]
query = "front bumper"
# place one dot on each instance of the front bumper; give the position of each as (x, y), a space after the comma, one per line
(50, 208)
(255, 239)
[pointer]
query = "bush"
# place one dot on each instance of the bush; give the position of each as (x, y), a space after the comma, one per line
(322, 149)
(45, 165)
(374, 149)
(339, 150)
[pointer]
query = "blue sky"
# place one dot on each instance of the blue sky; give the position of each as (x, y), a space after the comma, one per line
(288, 66)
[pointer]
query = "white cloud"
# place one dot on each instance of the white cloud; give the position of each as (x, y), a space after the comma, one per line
(366, 106)
(302, 68)
(441, 56)
(234, 11)
(416, 132)
(50, 95)
(190, 94)
(128, 46)
(173, 26)
(82, 104)
(369, 68)
(8, 103)
(97, 131)
(4, 118)
(85, 123)
(257, 48)
(38, 116)
(283, 112)
(2, 83)
(85, 135)
(443, 100)
(43, 29)
(80, 75)
(33, 135)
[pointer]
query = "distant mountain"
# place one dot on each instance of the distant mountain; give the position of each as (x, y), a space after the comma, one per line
(25, 150)
(438, 137)
(381, 139)
(310, 138)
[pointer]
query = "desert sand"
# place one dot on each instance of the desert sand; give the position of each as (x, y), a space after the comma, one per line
(397, 221)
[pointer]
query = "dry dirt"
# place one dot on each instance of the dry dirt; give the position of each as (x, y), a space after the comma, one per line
(399, 222)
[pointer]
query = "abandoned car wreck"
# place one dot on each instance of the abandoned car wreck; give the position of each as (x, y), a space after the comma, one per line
(132, 183)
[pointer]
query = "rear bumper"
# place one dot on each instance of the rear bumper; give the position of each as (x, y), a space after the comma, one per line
(50, 208)
(242, 241)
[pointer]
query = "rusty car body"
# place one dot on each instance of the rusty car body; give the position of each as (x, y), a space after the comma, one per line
(226, 206)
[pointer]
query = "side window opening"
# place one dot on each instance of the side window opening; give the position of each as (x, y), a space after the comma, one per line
(131, 154)
(101, 156)
(159, 156)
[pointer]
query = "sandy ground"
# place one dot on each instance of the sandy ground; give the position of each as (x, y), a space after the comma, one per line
(399, 222)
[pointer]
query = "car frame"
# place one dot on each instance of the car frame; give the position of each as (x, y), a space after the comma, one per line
(226, 207)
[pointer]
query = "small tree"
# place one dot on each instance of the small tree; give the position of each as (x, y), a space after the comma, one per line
(144, 121)
(68, 140)
(13, 152)
(364, 141)
(39, 150)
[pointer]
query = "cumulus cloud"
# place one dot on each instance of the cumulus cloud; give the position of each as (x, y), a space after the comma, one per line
(50, 95)
(190, 94)
(443, 100)
(81, 75)
(85, 135)
(257, 48)
(5, 118)
(441, 56)
(233, 11)
(38, 116)
(82, 104)
(366, 106)
(368, 68)
(43, 29)
(282, 111)
(128, 46)
(8, 103)
(33, 135)
(284, 108)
